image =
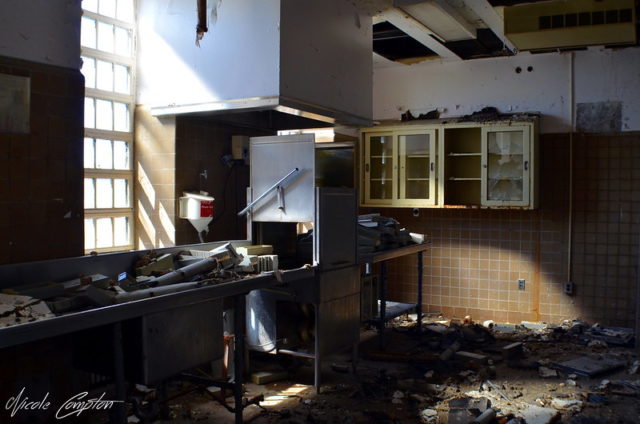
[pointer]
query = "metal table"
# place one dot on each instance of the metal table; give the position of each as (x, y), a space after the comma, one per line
(389, 310)
(115, 315)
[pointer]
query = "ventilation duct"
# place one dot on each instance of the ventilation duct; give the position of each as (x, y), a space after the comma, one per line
(570, 23)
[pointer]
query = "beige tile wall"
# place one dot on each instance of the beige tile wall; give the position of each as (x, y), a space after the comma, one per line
(155, 169)
(477, 256)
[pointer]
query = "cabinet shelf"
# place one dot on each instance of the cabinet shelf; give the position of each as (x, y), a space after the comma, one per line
(418, 156)
(453, 154)
(417, 179)
(506, 179)
(380, 156)
(463, 179)
(381, 179)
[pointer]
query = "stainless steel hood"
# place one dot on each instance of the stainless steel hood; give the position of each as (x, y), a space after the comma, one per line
(309, 59)
(258, 104)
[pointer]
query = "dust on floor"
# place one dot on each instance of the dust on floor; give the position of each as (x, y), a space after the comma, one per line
(451, 372)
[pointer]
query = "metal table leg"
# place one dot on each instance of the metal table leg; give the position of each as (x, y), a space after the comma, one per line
(419, 303)
(383, 303)
(317, 362)
(118, 413)
(238, 355)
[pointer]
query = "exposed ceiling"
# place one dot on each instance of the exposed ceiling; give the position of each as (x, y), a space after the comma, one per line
(411, 31)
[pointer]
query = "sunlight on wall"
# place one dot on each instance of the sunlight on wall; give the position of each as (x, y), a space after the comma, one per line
(145, 184)
(146, 222)
(167, 224)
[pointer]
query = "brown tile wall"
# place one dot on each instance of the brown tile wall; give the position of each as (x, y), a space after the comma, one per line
(41, 202)
(200, 145)
(477, 256)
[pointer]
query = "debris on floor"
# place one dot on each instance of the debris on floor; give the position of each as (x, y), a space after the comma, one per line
(456, 373)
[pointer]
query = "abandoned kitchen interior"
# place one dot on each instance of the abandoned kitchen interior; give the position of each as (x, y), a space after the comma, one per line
(320, 211)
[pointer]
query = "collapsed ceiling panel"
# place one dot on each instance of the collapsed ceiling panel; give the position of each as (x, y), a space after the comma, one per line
(394, 44)
(440, 17)
(486, 44)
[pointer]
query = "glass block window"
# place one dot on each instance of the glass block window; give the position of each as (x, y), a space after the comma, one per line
(108, 65)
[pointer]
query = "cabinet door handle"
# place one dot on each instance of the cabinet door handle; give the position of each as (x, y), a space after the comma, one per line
(432, 166)
(526, 165)
(366, 167)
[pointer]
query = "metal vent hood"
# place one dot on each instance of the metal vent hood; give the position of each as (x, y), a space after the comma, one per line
(307, 58)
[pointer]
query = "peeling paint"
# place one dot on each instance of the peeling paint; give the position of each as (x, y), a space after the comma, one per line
(599, 117)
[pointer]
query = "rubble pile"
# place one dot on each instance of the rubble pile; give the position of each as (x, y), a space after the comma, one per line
(152, 275)
(376, 232)
(461, 372)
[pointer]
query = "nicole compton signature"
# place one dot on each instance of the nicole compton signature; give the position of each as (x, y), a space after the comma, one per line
(75, 405)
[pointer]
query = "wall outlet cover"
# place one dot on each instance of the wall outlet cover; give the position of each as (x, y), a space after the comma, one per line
(521, 284)
(568, 287)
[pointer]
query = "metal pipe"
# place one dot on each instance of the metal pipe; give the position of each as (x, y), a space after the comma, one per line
(419, 304)
(205, 265)
(269, 190)
(201, 28)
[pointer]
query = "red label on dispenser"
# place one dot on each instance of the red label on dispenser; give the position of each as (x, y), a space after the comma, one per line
(206, 209)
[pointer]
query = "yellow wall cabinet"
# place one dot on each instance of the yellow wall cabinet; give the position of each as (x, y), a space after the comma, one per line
(488, 165)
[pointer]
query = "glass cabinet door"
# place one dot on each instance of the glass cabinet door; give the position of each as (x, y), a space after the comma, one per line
(416, 154)
(505, 166)
(380, 168)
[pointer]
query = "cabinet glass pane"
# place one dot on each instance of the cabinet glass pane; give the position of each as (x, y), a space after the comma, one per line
(416, 173)
(381, 168)
(505, 165)
(417, 189)
(417, 168)
(381, 189)
(381, 146)
(418, 144)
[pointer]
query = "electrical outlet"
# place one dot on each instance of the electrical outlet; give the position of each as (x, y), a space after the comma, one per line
(521, 282)
(568, 287)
